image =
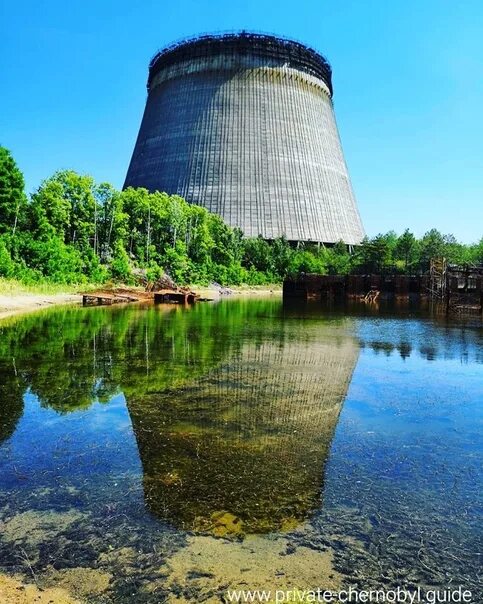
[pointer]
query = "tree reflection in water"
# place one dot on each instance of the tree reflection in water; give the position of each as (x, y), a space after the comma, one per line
(233, 410)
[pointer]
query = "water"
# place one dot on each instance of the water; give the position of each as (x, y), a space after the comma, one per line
(152, 454)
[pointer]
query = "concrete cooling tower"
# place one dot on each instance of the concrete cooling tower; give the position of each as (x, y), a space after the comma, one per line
(243, 124)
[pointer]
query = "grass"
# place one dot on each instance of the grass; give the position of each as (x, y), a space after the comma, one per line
(12, 287)
(275, 287)
(268, 287)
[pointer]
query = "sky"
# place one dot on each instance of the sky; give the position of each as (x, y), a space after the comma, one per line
(408, 91)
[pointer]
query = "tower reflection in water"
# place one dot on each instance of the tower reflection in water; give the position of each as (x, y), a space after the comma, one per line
(233, 406)
(243, 448)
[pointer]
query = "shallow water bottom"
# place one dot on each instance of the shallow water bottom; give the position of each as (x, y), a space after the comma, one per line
(171, 455)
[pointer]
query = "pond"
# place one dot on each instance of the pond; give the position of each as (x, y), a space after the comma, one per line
(166, 454)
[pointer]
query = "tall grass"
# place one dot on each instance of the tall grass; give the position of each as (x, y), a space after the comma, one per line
(12, 287)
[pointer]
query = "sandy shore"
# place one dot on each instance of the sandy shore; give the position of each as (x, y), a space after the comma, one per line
(20, 303)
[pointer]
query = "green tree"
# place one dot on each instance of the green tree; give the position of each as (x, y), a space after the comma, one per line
(52, 258)
(67, 203)
(13, 201)
(391, 239)
(306, 261)
(75, 230)
(113, 226)
(136, 204)
(257, 254)
(50, 210)
(432, 246)
(7, 265)
(281, 257)
(337, 259)
(406, 248)
(374, 254)
(120, 265)
(477, 252)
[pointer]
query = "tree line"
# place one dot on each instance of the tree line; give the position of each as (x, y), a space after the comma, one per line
(74, 230)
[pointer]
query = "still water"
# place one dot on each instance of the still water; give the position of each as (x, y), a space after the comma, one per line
(163, 454)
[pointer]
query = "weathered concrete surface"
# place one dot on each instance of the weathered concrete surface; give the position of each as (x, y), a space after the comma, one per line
(253, 139)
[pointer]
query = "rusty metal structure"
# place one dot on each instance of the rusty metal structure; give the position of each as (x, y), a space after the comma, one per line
(243, 124)
(438, 275)
(449, 288)
(464, 289)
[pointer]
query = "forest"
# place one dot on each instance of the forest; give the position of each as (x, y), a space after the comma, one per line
(72, 230)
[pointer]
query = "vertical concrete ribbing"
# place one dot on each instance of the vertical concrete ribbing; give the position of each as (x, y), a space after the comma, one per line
(259, 145)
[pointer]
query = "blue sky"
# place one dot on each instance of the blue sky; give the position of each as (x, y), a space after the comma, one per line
(408, 91)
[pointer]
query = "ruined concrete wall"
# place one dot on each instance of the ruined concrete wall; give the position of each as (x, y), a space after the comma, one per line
(253, 140)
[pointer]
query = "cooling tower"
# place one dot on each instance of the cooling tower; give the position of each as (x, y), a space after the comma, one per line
(243, 124)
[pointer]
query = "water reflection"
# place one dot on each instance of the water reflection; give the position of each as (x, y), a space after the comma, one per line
(140, 422)
(11, 399)
(401, 327)
(233, 410)
(243, 448)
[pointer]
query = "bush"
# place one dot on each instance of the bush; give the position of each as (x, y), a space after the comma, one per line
(7, 265)
(120, 268)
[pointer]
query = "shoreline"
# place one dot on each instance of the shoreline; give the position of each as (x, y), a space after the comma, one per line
(20, 303)
(237, 291)
(16, 304)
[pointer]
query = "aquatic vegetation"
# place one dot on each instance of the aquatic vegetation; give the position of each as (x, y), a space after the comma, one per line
(81, 582)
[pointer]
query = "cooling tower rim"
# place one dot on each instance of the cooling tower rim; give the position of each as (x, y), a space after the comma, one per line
(294, 53)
